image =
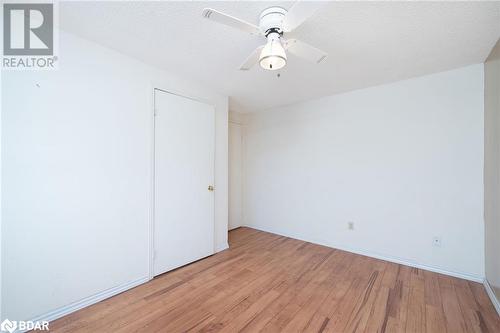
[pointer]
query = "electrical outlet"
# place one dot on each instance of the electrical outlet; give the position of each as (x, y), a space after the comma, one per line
(436, 241)
(350, 225)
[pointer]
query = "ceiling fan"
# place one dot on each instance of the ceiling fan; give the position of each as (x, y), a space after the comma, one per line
(274, 23)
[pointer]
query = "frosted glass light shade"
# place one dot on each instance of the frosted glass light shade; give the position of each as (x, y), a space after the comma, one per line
(272, 56)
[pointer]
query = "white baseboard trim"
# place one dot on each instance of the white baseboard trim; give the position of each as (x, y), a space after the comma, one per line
(396, 260)
(492, 296)
(65, 310)
(221, 247)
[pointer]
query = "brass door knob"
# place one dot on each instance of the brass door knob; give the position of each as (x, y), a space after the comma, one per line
(210, 188)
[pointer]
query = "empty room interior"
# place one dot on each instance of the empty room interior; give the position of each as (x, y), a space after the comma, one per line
(250, 166)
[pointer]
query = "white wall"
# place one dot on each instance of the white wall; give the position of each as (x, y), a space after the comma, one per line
(236, 168)
(77, 152)
(1, 223)
(492, 169)
(403, 161)
(235, 174)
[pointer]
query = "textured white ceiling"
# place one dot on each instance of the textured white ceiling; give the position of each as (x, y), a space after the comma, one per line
(369, 43)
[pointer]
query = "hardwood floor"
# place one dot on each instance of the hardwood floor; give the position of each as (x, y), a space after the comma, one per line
(270, 283)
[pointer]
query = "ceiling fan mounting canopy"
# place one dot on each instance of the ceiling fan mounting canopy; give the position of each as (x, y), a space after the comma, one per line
(271, 19)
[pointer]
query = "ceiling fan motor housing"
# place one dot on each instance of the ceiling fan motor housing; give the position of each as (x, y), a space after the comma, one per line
(271, 20)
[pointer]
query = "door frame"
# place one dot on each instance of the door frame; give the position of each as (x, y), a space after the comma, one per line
(151, 220)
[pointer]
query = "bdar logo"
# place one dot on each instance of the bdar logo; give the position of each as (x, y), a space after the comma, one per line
(8, 326)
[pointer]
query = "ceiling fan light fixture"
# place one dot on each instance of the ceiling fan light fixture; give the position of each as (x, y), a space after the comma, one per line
(274, 23)
(273, 56)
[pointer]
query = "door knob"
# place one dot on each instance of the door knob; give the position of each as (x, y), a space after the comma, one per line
(210, 188)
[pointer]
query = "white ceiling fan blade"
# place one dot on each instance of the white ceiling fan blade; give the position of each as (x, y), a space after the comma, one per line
(233, 22)
(252, 59)
(305, 51)
(300, 11)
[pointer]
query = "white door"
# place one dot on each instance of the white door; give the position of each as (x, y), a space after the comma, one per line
(184, 170)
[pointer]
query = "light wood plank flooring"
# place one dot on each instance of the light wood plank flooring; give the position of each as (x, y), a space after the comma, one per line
(270, 283)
